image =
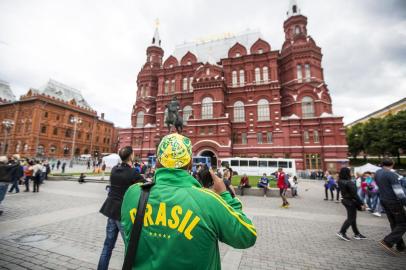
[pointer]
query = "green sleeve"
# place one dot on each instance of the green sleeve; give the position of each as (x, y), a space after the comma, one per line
(233, 227)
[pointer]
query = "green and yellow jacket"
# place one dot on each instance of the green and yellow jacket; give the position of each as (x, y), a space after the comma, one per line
(183, 223)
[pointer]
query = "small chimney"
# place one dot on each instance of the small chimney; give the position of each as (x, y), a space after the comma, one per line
(102, 115)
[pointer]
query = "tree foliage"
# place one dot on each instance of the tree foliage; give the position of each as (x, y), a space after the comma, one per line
(379, 136)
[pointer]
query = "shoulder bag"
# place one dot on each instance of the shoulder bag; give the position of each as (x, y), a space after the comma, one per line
(137, 226)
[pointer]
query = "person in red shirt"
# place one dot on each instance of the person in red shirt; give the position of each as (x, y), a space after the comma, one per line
(244, 183)
(282, 185)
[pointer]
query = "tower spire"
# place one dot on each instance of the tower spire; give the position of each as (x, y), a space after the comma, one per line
(156, 41)
(293, 9)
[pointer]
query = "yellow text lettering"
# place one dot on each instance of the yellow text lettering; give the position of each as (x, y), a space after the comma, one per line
(185, 221)
(174, 222)
(147, 216)
(161, 216)
(192, 225)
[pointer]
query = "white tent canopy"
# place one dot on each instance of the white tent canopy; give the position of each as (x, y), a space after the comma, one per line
(366, 168)
(111, 160)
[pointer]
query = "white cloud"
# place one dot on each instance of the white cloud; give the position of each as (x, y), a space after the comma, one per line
(99, 46)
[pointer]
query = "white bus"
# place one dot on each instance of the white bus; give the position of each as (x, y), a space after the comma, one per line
(259, 166)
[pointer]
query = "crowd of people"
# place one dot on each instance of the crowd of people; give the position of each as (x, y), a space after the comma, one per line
(382, 191)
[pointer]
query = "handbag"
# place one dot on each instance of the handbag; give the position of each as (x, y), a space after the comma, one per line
(137, 226)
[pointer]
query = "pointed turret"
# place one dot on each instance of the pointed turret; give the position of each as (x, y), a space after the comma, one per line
(293, 9)
(156, 41)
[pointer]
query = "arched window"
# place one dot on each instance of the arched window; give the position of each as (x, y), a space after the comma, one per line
(184, 85)
(40, 150)
(190, 84)
(68, 133)
(307, 107)
(18, 146)
(307, 72)
(239, 114)
(297, 29)
(234, 78)
(265, 74)
(257, 75)
(165, 114)
(166, 88)
(263, 110)
(187, 112)
(242, 77)
(173, 86)
(207, 108)
(299, 73)
(52, 149)
(140, 119)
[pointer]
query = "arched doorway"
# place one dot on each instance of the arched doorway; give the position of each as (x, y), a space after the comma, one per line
(208, 153)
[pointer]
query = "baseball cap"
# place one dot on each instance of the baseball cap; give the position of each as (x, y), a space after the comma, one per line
(174, 151)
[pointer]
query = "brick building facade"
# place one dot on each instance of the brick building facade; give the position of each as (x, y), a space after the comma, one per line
(44, 125)
(242, 100)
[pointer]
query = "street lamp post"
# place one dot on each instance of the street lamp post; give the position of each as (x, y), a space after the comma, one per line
(75, 120)
(7, 124)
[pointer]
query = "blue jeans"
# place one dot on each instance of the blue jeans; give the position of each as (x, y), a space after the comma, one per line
(112, 229)
(3, 191)
(14, 186)
(372, 201)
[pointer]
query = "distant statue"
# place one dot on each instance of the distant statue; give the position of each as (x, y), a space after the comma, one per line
(173, 118)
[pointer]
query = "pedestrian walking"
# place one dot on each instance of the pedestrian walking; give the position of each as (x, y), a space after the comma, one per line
(58, 163)
(36, 175)
(183, 222)
(352, 203)
(329, 185)
(121, 178)
(103, 170)
(63, 166)
(28, 173)
(5, 178)
(18, 173)
(393, 200)
(47, 169)
(88, 164)
(281, 183)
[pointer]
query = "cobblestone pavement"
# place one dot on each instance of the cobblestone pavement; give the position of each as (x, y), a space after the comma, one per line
(60, 228)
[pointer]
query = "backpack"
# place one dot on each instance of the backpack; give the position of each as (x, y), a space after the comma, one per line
(287, 183)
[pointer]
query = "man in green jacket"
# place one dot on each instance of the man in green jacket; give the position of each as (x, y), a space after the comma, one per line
(183, 221)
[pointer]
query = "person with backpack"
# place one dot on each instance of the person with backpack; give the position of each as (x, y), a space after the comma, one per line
(36, 175)
(393, 200)
(6, 176)
(183, 222)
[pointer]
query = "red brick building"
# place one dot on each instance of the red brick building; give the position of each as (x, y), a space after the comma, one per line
(241, 98)
(53, 122)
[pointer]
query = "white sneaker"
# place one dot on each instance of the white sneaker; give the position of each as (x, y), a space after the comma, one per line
(367, 209)
(377, 214)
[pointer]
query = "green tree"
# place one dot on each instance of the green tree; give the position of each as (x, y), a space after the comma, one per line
(375, 137)
(355, 139)
(395, 134)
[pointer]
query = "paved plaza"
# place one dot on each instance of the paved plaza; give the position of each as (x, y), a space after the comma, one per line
(60, 228)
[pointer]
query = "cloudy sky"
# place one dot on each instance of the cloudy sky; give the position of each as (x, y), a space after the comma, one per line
(98, 46)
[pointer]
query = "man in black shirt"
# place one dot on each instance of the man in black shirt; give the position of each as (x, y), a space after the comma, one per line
(392, 199)
(122, 177)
